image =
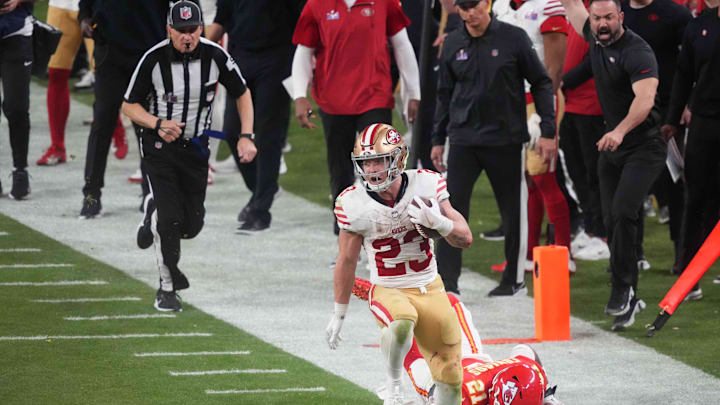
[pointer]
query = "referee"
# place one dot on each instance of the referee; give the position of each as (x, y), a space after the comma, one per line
(178, 76)
(632, 152)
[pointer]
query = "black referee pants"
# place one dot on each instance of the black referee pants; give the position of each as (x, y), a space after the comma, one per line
(505, 166)
(16, 58)
(340, 133)
(264, 72)
(113, 69)
(702, 184)
(578, 140)
(178, 181)
(626, 177)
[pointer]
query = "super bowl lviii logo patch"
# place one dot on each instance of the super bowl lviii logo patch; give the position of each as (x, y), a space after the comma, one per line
(461, 55)
(332, 15)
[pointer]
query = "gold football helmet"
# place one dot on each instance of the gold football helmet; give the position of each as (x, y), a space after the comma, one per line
(379, 141)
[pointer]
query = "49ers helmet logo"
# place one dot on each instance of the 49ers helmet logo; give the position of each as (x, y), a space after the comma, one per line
(185, 13)
(393, 137)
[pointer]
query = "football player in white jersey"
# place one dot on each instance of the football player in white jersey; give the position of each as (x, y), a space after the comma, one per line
(408, 298)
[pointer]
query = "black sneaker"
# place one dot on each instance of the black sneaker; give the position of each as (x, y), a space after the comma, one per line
(624, 321)
(695, 294)
(91, 207)
(496, 235)
(244, 215)
(20, 184)
(145, 235)
(167, 301)
(620, 300)
(252, 226)
(508, 290)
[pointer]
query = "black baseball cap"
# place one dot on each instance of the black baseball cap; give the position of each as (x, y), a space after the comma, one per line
(185, 14)
(459, 2)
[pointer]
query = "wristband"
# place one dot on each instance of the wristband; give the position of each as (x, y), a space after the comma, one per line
(157, 124)
(340, 310)
(250, 136)
(445, 227)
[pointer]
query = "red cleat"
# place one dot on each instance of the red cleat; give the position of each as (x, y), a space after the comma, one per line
(499, 268)
(52, 157)
(361, 288)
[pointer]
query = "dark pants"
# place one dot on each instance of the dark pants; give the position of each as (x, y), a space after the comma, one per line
(702, 184)
(16, 58)
(578, 137)
(264, 72)
(113, 69)
(178, 180)
(505, 166)
(626, 177)
(340, 133)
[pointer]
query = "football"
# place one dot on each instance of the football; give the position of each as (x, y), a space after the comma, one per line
(424, 231)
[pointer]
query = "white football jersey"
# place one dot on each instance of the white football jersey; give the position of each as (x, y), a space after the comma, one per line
(534, 17)
(398, 256)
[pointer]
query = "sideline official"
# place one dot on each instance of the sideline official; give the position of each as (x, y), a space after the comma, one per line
(179, 76)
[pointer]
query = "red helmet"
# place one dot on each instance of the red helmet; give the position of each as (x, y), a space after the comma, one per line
(517, 385)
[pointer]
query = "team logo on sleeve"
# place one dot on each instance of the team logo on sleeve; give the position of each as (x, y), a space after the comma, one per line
(393, 137)
(367, 12)
(185, 13)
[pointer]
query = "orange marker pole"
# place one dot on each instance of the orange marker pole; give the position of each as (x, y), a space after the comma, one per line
(551, 287)
(700, 263)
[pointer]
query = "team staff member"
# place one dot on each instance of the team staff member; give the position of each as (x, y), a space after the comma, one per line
(632, 150)
(481, 107)
(697, 74)
(260, 37)
(16, 57)
(180, 74)
(123, 31)
(351, 83)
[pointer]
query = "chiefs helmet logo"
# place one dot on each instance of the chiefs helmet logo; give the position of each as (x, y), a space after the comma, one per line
(393, 137)
(509, 390)
(185, 13)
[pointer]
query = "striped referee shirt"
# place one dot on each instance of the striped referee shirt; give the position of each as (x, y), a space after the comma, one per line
(181, 87)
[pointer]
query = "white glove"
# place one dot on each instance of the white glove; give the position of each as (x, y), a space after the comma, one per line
(332, 331)
(430, 217)
(533, 125)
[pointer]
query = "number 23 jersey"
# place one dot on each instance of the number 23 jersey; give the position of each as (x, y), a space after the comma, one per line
(398, 256)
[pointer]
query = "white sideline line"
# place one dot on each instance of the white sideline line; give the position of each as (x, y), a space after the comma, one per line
(161, 354)
(128, 336)
(231, 371)
(54, 283)
(313, 389)
(20, 250)
(34, 266)
(109, 317)
(60, 301)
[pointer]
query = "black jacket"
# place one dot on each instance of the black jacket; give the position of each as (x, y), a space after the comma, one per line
(481, 88)
(130, 25)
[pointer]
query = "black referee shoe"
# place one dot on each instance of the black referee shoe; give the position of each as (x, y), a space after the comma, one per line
(496, 235)
(91, 207)
(252, 226)
(145, 235)
(167, 301)
(625, 321)
(508, 290)
(20, 185)
(620, 301)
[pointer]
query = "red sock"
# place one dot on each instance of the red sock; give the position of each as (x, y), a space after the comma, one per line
(536, 212)
(556, 205)
(412, 355)
(58, 105)
(119, 132)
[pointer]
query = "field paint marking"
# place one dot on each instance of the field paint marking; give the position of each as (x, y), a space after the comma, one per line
(128, 336)
(59, 301)
(34, 266)
(3, 233)
(54, 283)
(109, 317)
(169, 354)
(231, 371)
(20, 250)
(313, 389)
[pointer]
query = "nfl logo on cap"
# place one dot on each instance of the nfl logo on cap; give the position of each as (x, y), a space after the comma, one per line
(185, 13)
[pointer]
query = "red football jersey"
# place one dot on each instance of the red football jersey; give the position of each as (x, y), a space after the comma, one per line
(478, 377)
